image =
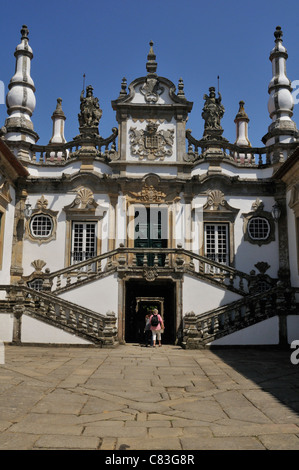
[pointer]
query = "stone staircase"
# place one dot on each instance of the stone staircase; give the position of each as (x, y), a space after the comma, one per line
(94, 327)
(100, 329)
(165, 261)
(202, 329)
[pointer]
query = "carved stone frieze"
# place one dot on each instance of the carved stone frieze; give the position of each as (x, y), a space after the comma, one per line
(148, 194)
(151, 143)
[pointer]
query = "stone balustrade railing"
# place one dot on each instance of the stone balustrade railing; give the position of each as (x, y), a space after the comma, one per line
(148, 260)
(202, 329)
(59, 153)
(243, 156)
(94, 327)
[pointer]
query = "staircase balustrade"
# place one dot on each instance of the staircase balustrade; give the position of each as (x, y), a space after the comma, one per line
(95, 327)
(202, 329)
(135, 260)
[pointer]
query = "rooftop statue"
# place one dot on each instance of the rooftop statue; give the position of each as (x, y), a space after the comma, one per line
(213, 110)
(90, 111)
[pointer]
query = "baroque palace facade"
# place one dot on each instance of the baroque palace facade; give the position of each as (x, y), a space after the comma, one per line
(98, 231)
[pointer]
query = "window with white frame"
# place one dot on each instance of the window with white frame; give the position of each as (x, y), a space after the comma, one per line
(258, 228)
(41, 225)
(84, 241)
(217, 242)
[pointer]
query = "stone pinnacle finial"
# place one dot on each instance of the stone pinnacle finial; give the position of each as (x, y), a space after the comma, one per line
(151, 65)
(123, 91)
(241, 113)
(24, 32)
(58, 111)
(278, 33)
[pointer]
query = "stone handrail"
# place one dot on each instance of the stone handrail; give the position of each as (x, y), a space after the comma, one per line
(90, 325)
(59, 153)
(153, 260)
(244, 156)
(201, 329)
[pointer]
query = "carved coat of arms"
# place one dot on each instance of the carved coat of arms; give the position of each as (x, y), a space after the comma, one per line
(151, 143)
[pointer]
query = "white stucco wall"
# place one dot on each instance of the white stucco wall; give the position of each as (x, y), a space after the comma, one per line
(263, 333)
(53, 252)
(200, 297)
(35, 331)
(69, 168)
(6, 327)
(246, 254)
(100, 296)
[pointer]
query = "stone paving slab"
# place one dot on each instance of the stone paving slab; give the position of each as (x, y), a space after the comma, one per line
(137, 398)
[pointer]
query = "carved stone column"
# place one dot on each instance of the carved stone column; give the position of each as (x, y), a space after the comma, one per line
(282, 228)
(18, 311)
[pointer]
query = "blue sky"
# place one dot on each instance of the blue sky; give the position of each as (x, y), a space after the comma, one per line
(109, 40)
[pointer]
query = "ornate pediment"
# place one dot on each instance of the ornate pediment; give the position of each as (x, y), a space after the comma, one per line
(84, 201)
(151, 143)
(217, 205)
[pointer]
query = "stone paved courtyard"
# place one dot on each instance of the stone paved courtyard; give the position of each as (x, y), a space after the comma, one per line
(137, 398)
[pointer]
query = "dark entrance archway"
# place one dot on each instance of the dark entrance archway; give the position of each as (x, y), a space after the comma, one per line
(141, 297)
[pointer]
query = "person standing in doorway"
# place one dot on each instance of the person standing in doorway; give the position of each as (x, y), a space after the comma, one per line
(147, 330)
(157, 325)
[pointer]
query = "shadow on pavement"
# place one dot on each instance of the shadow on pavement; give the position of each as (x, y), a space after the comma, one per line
(270, 369)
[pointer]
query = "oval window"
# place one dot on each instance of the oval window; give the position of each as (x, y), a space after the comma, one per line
(41, 225)
(258, 228)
